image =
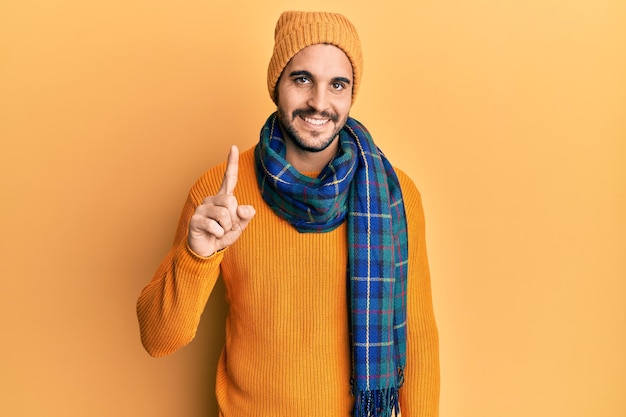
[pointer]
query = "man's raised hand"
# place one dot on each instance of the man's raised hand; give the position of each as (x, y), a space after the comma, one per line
(218, 222)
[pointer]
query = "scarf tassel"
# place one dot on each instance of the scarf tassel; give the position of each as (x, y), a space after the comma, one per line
(379, 403)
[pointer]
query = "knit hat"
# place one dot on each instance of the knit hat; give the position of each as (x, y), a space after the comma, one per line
(297, 30)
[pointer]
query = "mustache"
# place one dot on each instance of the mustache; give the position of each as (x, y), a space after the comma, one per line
(312, 113)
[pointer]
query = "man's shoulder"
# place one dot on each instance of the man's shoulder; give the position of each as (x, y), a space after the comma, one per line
(409, 189)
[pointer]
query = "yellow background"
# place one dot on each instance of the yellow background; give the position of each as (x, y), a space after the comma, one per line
(509, 115)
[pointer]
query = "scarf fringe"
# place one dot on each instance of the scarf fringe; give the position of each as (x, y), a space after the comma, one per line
(379, 403)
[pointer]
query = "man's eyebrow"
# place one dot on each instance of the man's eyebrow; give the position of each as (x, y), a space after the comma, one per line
(305, 73)
(301, 73)
(343, 80)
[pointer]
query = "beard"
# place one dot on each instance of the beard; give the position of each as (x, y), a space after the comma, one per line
(321, 143)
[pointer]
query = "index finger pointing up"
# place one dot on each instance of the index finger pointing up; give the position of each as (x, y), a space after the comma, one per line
(232, 172)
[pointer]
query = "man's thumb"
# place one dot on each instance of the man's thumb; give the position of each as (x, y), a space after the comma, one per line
(246, 212)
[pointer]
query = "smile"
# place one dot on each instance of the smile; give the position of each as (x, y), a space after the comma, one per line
(316, 122)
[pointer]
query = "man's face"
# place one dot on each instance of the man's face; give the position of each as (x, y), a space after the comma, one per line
(314, 95)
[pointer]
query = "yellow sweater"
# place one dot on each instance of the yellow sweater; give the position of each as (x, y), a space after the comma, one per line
(287, 346)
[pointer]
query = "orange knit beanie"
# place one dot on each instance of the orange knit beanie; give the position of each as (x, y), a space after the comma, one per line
(297, 30)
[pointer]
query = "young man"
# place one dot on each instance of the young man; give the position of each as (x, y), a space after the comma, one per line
(325, 267)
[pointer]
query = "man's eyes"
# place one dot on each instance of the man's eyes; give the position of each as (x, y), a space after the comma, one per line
(335, 85)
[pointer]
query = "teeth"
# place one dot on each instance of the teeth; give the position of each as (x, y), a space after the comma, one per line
(316, 121)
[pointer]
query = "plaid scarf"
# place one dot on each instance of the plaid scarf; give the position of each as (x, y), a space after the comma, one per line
(358, 184)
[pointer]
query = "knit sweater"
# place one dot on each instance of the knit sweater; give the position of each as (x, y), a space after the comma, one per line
(287, 348)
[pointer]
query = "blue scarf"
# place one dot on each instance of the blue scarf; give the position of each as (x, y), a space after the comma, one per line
(359, 185)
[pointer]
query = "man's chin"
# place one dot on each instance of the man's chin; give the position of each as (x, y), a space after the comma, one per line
(311, 146)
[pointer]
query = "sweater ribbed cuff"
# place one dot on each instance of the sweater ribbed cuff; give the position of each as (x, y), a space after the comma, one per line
(189, 263)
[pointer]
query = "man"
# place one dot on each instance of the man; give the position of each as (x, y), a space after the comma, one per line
(325, 266)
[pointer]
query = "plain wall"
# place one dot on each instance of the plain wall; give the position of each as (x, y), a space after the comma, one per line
(509, 116)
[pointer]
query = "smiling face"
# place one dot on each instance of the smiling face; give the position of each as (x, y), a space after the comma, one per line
(314, 95)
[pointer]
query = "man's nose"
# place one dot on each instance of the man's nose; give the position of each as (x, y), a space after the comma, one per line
(318, 99)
